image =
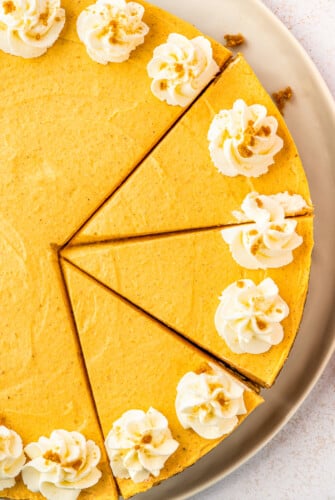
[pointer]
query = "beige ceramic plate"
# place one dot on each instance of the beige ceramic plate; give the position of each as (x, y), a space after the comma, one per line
(278, 60)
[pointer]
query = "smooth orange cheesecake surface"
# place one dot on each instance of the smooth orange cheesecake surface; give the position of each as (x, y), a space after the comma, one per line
(179, 279)
(43, 386)
(178, 187)
(134, 362)
(73, 129)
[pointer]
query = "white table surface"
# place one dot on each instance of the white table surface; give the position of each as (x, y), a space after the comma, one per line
(299, 463)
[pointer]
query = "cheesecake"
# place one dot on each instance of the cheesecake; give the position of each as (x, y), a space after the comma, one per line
(156, 237)
(179, 278)
(179, 187)
(134, 363)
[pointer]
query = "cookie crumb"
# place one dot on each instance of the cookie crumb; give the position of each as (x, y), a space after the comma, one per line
(52, 457)
(203, 368)
(234, 40)
(281, 97)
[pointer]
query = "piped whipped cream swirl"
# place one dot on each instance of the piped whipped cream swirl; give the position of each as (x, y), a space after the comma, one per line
(209, 402)
(111, 30)
(181, 68)
(269, 243)
(12, 457)
(29, 27)
(243, 140)
(249, 316)
(61, 465)
(139, 444)
(262, 208)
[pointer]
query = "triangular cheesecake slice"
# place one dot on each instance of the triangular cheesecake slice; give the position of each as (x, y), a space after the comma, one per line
(178, 186)
(180, 278)
(135, 363)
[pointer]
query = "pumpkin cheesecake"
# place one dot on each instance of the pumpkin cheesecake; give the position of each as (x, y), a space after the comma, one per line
(204, 168)
(70, 133)
(180, 278)
(143, 374)
(94, 146)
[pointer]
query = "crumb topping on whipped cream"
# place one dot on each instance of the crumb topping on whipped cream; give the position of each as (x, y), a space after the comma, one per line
(270, 241)
(111, 30)
(243, 140)
(181, 68)
(209, 402)
(29, 27)
(249, 316)
(259, 207)
(61, 465)
(139, 444)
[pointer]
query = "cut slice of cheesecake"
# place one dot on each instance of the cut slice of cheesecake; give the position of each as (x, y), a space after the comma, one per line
(177, 186)
(179, 279)
(135, 363)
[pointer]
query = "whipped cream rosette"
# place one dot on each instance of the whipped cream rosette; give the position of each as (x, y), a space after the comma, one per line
(243, 140)
(139, 444)
(249, 316)
(270, 241)
(12, 458)
(111, 30)
(61, 465)
(181, 68)
(262, 208)
(210, 402)
(29, 28)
